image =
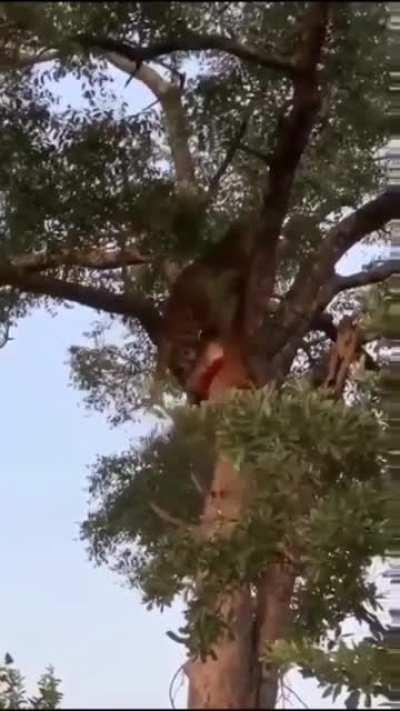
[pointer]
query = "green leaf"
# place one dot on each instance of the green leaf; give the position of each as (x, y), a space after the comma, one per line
(327, 692)
(352, 700)
(337, 690)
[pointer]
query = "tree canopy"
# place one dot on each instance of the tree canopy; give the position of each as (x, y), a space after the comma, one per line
(271, 113)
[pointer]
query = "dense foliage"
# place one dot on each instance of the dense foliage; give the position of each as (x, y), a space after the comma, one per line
(299, 442)
(126, 186)
(98, 173)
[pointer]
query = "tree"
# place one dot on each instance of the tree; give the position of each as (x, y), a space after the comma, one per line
(280, 125)
(13, 693)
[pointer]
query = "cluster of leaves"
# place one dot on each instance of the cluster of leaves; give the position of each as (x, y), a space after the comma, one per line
(13, 694)
(168, 469)
(126, 184)
(355, 91)
(299, 441)
(124, 151)
(384, 310)
(113, 378)
(356, 668)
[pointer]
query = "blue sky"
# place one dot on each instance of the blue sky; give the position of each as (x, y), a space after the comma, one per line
(55, 606)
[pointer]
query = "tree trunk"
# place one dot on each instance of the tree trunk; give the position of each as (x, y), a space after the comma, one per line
(236, 679)
(225, 683)
(274, 593)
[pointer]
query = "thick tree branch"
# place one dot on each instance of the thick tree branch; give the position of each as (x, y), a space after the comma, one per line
(192, 43)
(294, 130)
(131, 305)
(23, 61)
(94, 259)
(321, 282)
(129, 60)
(316, 283)
(295, 127)
(375, 275)
(367, 219)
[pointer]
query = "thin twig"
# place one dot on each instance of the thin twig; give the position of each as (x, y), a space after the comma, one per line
(169, 518)
(215, 181)
(171, 685)
(182, 77)
(297, 697)
(145, 108)
(175, 72)
(281, 695)
(230, 154)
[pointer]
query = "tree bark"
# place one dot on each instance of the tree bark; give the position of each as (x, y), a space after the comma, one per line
(236, 678)
(274, 593)
(225, 683)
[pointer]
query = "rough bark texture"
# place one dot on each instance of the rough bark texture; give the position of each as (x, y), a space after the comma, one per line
(293, 135)
(225, 682)
(130, 305)
(236, 679)
(274, 593)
